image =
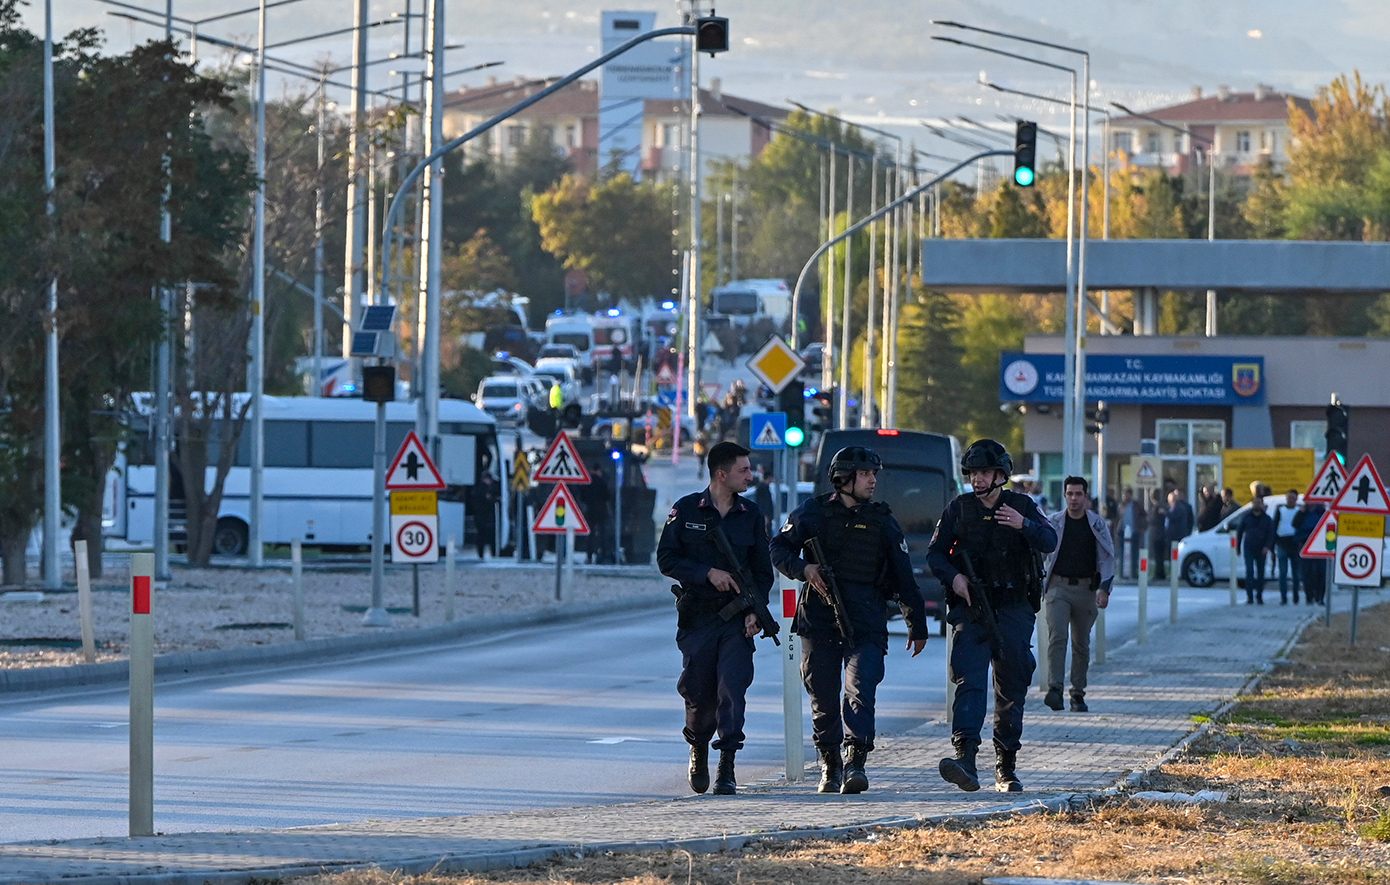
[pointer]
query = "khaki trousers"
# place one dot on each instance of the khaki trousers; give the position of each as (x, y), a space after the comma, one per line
(1066, 605)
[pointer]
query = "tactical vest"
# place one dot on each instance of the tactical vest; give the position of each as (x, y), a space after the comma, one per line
(1002, 558)
(853, 540)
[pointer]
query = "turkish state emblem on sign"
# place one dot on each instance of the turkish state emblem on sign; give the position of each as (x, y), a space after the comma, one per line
(1245, 378)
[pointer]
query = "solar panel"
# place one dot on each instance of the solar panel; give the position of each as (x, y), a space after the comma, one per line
(377, 318)
(364, 343)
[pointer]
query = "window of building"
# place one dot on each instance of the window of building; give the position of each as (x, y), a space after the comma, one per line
(1155, 142)
(1243, 141)
(1191, 453)
(571, 136)
(1309, 435)
(1124, 141)
(546, 134)
(516, 136)
(670, 135)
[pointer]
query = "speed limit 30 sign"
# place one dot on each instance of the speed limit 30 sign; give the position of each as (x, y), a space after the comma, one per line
(1360, 544)
(415, 527)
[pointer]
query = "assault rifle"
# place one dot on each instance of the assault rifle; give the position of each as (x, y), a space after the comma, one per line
(745, 599)
(979, 611)
(834, 597)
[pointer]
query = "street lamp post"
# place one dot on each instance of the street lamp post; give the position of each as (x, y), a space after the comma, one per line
(432, 237)
(52, 439)
(1074, 414)
(1211, 195)
(256, 369)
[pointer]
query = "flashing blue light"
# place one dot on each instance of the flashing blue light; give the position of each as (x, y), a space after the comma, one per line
(559, 313)
(502, 355)
(668, 305)
(348, 388)
(614, 312)
(616, 455)
(809, 392)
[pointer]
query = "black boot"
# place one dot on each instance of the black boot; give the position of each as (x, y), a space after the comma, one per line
(856, 781)
(831, 770)
(1005, 778)
(724, 783)
(1054, 698)
(699, 768)
(960, 770)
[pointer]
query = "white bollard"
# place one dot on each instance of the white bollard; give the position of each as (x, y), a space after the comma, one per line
(449, 580)
(1173, 585)
(1044, 638)
(141, 694)
(84, 601)
(297, 580)
(791, 687)
(1143, 635)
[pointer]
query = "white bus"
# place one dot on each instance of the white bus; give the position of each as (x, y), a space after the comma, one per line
(318, 475)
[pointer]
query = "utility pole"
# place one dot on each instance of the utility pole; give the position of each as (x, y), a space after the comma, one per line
(52, 440)
(431, 237)
(256, 369)
(318, 237)
(696, 341)
(162, 380)
(354, 266)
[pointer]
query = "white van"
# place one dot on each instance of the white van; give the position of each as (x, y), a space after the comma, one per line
(746, 301)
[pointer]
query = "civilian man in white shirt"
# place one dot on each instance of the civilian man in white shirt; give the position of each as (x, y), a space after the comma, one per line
(1286, 546)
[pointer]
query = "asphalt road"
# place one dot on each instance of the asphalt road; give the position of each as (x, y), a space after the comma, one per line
(525, 719)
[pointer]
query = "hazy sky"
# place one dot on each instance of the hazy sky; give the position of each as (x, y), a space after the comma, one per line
(877, 61)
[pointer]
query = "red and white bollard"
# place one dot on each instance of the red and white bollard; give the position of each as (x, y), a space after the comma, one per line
(142, 694)
(791, 687)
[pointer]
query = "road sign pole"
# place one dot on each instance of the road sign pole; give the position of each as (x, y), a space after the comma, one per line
(569, 560)
(1355, 608)
(449, 580)
(1173, 586)
(1328, 585)
(376, 615)
(559, 564)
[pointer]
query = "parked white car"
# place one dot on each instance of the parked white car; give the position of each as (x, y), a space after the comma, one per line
(508, 398)
(563, 373)
(1205, 557)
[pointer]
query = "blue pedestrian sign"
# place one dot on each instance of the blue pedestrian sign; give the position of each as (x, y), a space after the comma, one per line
(767, 430)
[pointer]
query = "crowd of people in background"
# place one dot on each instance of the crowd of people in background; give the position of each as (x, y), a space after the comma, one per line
(1270, 540)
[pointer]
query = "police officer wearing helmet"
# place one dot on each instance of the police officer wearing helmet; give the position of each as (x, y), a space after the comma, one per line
(997, 534)
(868, 557)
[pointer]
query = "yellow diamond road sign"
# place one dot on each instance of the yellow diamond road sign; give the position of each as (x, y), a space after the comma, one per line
(776, 364)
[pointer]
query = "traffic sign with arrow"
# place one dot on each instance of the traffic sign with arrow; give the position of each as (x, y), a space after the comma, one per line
(412, 468)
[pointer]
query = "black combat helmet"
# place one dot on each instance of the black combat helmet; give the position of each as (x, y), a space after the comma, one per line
(986, 454)
(853, 458)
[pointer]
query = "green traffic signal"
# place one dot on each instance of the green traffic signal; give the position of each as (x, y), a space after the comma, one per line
(1025, 153)
(1023, 176)
(795, 436)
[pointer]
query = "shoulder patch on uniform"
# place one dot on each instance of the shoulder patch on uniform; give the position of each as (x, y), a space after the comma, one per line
(786, 527)
(698, 526)
(903, 545)
(671, 517)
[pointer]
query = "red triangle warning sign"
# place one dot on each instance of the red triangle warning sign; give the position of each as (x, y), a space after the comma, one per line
(1330, 481)
(664, 375)
(1364, 492)
(560, 514)
(562, 463)
(412, 468)
(1322, 543)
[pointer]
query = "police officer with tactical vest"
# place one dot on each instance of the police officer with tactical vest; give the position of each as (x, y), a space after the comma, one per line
(867, 563)
(714, 632)
(986, 550)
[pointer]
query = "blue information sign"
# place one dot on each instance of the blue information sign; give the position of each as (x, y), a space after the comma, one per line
(1165, 380)
(767, 430)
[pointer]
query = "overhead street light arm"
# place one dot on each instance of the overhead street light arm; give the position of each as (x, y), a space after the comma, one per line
(1158, 122)
(1040, 97)
(393, 213)
(375, 24)
(870, 219)
(956, 137)
(799, 134)
(810, 110)
(197, 21)
(1006, 36)
(1005, 53)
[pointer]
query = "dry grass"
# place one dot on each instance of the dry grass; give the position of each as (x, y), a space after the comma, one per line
(1306, 762)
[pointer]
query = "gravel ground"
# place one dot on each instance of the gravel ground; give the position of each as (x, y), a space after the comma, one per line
(217, 608)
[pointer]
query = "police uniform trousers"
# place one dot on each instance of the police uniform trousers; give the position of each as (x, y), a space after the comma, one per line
(1013, 673)
(836, 720)
(716, 670)
(1069, 602)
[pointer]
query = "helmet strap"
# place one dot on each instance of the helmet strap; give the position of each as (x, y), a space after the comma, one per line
(994, 485)
(840, 483)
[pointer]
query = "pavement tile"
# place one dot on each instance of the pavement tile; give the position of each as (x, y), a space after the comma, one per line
(1144, 700)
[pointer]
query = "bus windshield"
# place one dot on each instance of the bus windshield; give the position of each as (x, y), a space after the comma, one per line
(579, 340)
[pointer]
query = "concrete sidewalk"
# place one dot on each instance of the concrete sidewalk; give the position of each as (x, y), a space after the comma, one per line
(1144, 700)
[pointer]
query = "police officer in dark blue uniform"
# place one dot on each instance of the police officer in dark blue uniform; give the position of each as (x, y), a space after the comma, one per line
(996, 534)
(868, 556)
(716, 654)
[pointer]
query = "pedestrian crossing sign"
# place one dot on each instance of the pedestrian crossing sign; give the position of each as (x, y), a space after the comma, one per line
(1329, 482)
(562, 463)
(767, 430)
